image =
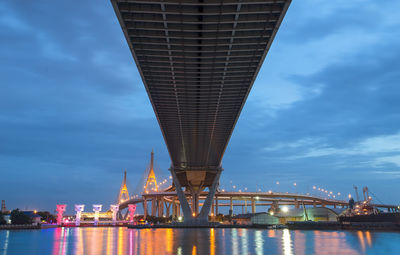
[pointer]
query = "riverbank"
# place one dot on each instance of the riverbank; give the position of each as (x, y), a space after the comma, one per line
(290, 225)
(25, 226)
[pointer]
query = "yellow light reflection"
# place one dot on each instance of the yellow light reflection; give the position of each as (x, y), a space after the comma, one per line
(271, 233)
(212, 242)
(369, 239)
(361, 239)
(194, 251)
(109, 242)
(79, 240)
(120, 241)
(169, 239)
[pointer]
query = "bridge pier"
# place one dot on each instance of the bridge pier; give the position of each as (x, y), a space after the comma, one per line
(167, 208)
(145, 208)
(160, 207)
(78, 209)
(191, 215)
(153, 207)
(216, 206)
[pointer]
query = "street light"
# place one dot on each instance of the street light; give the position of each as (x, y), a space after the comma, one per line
(285, 209)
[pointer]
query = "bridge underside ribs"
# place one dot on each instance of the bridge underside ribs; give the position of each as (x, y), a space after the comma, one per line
(198, 60)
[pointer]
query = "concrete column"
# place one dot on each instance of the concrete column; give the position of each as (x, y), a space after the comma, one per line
(213, 207)
(132, 209)
(216, 206)
(60, 211)
(245, 206)
(78, 209)
(153, 207)
(161, 207)
(181, 196)
(173, 208)
(231, 204)
(296, 203)
(167, 208)
(253, 205)
(205, 210)
(96, 209)
(314, 203)
(145, 208)
(334, 205)
(114, 209)
(195, 193)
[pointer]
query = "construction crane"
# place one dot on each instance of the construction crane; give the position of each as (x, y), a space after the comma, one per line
(365, 193)
(356, 189)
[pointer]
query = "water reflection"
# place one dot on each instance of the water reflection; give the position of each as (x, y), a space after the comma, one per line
(258, 242)
(5, 247)
(61, 241)
(287, 242)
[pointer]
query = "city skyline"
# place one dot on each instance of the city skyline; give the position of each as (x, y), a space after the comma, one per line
(322, 112)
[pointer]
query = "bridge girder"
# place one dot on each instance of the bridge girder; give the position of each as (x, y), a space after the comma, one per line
(198, 61)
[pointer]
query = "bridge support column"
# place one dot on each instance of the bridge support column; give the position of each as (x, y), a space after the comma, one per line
(132, 209)
(160, 207)
(78, 209)
(173, 209)
(187, 213)
(216, 206)
(96, 209)
(145, 208)
(296, 203)
(205, 210)
(253, 206)
(167, 208)
(202, 217)
(114, 209)
(60, 211)
(153, 207)
(195, 199)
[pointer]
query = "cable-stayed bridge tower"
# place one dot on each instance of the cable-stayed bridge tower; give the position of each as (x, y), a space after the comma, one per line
(123, 191)
(151, 181)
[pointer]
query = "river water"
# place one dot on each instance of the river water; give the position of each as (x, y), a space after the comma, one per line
(60, 241)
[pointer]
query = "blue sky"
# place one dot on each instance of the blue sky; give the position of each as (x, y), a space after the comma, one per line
(74, 114)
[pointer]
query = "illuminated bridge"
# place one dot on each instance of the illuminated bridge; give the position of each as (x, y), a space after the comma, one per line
(198, 60)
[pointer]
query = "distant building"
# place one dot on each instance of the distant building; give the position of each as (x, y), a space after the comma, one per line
(3, 207)
(292, 214)
(264, 219)
(36, 219)
(313, 214)
(261, 218)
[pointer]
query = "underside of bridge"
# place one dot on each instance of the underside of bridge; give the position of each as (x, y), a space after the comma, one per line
(198, 60)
